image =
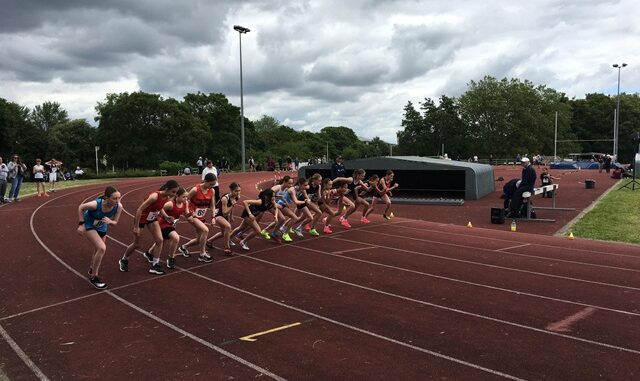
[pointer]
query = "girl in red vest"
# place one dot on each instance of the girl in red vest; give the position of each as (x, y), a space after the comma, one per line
(147, 217)
(201, 199)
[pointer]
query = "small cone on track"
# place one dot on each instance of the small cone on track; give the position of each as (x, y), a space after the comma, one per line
(570, 236)
(469, 225)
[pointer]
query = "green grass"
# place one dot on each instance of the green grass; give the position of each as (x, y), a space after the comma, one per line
(29, 188)
(615, 218)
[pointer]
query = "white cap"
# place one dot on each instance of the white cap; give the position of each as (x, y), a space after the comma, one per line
(524, 160)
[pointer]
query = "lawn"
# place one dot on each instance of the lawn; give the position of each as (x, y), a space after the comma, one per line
(615, 218)
(29, 188)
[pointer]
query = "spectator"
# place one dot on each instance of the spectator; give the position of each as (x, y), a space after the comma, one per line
(280, 164)
(211, 169)
(186, 171)
(54, 167)
(337, 168)
(200, 164)
(79, 173)
(17, 170)
(38, 178)
(526, 185)
(252, 164)
(607, 163)
(297, 163)
(4, 172)
(547, 179)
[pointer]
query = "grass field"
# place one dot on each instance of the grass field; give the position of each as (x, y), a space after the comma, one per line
(29, 188)
(615, 218)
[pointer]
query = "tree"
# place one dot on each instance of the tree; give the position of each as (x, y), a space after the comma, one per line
(73, 143)
(413, 140)
(48, 115)
(17, 133)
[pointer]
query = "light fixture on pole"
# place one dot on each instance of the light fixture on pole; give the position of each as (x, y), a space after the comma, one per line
(617, 116)
(241, 30)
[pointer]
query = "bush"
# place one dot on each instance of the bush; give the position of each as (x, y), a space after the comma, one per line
(172, 167)
(132, 172)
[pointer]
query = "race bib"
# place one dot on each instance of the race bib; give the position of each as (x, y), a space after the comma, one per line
(152, 216)
(97, 223)
(200, 212)
(175, 222)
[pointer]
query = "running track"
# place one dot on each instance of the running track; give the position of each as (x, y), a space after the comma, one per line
(392, 300)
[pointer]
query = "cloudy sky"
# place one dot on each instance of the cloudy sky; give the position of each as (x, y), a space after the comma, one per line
(311, 63)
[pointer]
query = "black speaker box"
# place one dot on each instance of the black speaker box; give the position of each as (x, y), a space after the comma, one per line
(497, 216)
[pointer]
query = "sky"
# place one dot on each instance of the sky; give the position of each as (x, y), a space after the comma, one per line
(311, 64)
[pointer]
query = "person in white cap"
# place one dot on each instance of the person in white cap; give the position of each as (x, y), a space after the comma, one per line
(527, 183)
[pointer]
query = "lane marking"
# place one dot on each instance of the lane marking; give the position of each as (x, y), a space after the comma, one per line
(253, 336)
(567, 248)
(498, 250)
(145, 312)
(564, 325)
(350, 250)
(515, 247)
(23, 356)
(425, 303)
(499, 267)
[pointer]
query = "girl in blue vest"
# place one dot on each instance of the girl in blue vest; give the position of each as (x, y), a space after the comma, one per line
(95, 217)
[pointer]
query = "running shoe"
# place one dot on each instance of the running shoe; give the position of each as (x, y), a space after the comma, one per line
(286, 238)
(296, 231)
(231, 243)
(148, 256)
(265, 234)
(206, 258)
(124, 264)
(307, 227)
(171, 263)
(97, 283)
(386, 217)
(327, 230)
(364, 220)
(345, 223)
(156, 269)
(244, 245)
(184, 251)
(324, 220)
(46, 194)
(314, 232)
(228, 252)
(276, 237)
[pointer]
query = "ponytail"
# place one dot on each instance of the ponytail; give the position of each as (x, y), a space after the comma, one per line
(108, 191)
(170, 184)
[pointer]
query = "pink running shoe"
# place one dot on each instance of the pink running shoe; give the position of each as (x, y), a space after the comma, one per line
(307, 227)
(327, 230)
(364, 220)
(345, 223)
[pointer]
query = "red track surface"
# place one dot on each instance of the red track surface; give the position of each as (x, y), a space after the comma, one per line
(393, 300)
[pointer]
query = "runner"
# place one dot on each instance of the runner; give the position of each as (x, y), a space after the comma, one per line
(314, 194)
(223, 217)
(384, 188)
(370, 191)
(353, 198)
(285, 195)
(252, 213)
(302, 209)
(201, 198)
(329, 196)
(147, 216)
(95, 217)
(169, 216)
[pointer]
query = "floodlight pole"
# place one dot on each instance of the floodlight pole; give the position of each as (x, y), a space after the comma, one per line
(241, 30)
(97, 148)
(617, 117)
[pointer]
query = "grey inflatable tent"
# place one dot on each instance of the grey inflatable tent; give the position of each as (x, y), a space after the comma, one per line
(416, 174)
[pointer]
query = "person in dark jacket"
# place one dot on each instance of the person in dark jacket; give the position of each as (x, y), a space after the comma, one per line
(526, 185)
(337, 168)
(508, 190)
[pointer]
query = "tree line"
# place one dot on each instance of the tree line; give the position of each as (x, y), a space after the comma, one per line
(505, 117)
(493, 117)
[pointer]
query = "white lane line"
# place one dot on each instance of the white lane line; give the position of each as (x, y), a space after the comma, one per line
(347, 251)
(511, 254)
(515, 247)
(514, 241)
(23, 356)
(431, 275)
(146, 313)
(438, 306)
(500, 267)
(360, 330)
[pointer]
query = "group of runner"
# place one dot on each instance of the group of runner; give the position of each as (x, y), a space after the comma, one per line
(295, 206)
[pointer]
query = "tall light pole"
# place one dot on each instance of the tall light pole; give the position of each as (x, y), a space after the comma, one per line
(617, 116)
(242, 30)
